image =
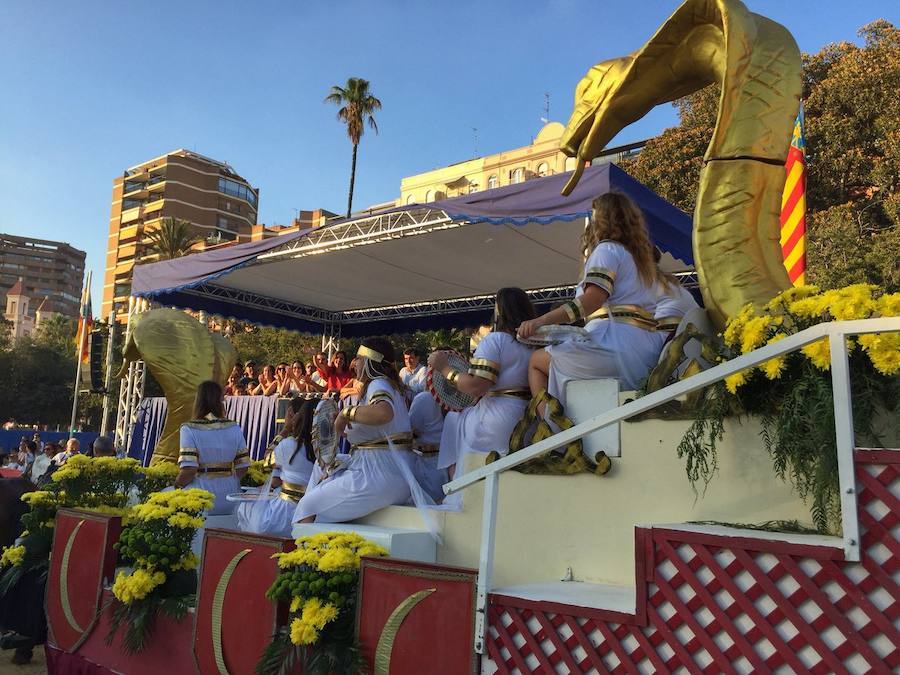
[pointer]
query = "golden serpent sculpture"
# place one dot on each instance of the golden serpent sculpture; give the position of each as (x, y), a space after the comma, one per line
(736, 234)
(180, 353)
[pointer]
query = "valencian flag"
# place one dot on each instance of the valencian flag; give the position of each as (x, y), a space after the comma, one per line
(793, 207)
(85, 325)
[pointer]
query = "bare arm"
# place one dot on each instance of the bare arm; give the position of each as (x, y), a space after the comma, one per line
(591, 300)
(373, 414)
(185, 476)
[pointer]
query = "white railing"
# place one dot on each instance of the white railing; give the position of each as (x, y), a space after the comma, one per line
(835, 331)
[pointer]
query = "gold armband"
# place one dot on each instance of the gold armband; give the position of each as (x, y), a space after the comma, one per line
(350, 413)
(453, 376)
(574, 310)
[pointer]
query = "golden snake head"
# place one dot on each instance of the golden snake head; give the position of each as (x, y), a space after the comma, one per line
(180, 353)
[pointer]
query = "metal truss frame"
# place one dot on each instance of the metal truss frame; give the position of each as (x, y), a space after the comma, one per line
(437, 307)
(362, 231)
(131, 387)
(256, 301)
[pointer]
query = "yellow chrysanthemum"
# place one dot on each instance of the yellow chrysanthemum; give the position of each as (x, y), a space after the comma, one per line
(883, 350)
(12, 556)
(185, 521)
(754, 333)
(302, 633)
(137, 585)
(735, 327)
(819, 353)
(773, 368)
(735, 381)
(338, 560)
(888, 304)
(852, 302)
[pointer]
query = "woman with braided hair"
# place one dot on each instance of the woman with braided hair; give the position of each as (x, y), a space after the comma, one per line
(381, 455)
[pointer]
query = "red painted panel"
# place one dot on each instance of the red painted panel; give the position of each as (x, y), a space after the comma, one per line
(436, 636)
(248, 619)
(83, 557)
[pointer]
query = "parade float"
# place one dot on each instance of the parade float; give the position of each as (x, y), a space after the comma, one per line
(746, 524)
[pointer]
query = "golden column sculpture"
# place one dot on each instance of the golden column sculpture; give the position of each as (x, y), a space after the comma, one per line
(180, 353)
(736, 235)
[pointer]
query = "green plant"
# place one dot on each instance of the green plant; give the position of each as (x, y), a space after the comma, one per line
(318, 580)
(792, 395)
(157, 543)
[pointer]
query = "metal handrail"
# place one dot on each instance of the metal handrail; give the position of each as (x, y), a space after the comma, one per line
(835, 331)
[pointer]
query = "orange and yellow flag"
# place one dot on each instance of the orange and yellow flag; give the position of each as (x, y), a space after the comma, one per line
(793, 207)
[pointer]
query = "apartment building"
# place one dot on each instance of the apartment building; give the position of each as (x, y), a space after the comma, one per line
(219, 204)
(50, 270)
(541, 158)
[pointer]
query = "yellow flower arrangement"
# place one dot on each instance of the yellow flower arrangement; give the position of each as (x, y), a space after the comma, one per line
(12, 556)
(137, 585)
(318, 580)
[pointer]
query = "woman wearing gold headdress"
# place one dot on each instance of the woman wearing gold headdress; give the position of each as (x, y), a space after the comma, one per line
(381, 440)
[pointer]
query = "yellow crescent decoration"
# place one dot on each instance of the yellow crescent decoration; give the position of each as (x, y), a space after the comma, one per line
(216, 611)
(736, 235)
(64, 580)
(392, 627)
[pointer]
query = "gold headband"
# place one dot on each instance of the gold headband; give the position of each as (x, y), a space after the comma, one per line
(370, 354)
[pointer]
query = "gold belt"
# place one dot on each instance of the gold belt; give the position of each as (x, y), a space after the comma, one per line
(516, 392)
(668, 324)
(633, 315)
(292, 492)
(399, 441)
(427, 448)
(218, 469)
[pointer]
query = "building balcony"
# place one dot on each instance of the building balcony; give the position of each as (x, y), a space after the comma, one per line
(153, 206)
(135, 192)
(130, 215)
(128, 233)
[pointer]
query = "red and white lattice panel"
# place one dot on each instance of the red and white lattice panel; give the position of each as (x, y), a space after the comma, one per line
(713, 603)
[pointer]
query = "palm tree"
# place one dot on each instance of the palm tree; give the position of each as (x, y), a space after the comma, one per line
(173, 239)
(357, 105)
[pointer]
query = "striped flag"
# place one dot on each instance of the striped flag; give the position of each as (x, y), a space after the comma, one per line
(85, 325)
(793, 207)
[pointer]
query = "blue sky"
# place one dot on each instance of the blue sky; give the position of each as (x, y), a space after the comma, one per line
(90, 88)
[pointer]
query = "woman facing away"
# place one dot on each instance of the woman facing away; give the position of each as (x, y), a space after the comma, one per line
(293, 464)
(616, 298)
(380, 437)
(213, 454)
(498, 376)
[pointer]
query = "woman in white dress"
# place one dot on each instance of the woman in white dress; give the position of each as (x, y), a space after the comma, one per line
(427, 420)
(381, 440)
(213, 454)
(498, 376)
(293, 464)
(616, 298)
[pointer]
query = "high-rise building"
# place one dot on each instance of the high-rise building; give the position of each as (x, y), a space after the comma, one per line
(47, 269)
(220, 206)
(542, 158)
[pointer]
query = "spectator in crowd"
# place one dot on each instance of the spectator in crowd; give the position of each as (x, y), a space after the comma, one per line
(299, 382)
(103, 447)
(42, 461)
(73, 447)
(350, 391)
(231, 389)
(312, 373)
(237, 372)
(336, 374)
(37, 439)
(282, 374)
(413, 372)
(250, 375)
(267, 382)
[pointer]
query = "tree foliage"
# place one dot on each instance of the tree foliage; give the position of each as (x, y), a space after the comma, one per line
(851, 97)
(173, 239)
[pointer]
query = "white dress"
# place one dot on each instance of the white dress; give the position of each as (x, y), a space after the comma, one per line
(280, 508)
(626, 347)
(372, 479)
(487, 425)
(217, 448)
(414, 380)
(673, 303)
(427, 421)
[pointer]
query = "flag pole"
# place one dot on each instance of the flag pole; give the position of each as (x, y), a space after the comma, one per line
(107, 383)
(82, 336)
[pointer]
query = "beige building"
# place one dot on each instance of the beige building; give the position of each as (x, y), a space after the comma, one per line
(50, 272)
(220, 205)
(542, 158)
